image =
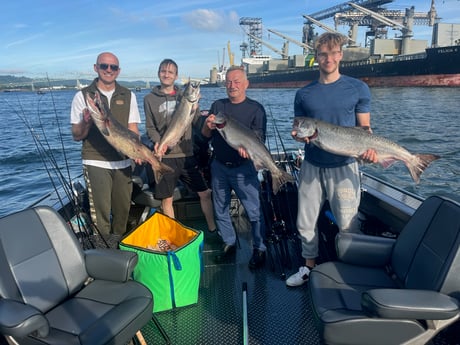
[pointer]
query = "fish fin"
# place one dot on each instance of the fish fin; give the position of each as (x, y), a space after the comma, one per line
(258, 166)
(157, 175)
(105, 132)
(86, 114)
(280, 179)
(424, 160)
(386, 163)
(164, 169)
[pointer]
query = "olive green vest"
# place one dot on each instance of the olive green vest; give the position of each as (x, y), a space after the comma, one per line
(95, 147)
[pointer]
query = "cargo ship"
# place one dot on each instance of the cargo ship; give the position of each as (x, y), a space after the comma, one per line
(398, 62)
(434, 67)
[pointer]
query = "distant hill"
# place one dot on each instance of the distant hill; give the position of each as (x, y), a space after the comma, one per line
(13, 82)
(10, 79)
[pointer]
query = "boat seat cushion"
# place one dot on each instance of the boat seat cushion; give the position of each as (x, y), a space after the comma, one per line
(52, 292)
(424, 260)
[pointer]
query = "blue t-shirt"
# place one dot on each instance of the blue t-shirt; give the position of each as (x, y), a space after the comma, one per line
(336, 103)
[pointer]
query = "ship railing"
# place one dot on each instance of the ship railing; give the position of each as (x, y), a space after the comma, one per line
(410, 57)
(376, 60)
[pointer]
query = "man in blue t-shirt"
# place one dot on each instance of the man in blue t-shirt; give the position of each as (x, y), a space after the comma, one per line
(343, 101)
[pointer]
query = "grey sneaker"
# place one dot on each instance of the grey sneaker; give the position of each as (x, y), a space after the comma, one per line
(299, 278)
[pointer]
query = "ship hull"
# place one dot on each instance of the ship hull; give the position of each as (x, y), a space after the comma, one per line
(436, 67)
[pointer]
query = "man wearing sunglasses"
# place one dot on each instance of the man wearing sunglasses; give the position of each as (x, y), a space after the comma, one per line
(107, 172)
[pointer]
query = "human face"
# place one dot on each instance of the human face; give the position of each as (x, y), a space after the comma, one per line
(167, 74)
(236, 84)
(107, 76)
(328, 59)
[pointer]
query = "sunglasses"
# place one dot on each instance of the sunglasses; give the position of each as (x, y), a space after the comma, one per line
(105, 66)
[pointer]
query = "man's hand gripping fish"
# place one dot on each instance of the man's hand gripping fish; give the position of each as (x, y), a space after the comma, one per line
(121, 138)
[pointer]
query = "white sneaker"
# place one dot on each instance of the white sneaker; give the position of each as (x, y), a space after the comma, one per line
(299, 278)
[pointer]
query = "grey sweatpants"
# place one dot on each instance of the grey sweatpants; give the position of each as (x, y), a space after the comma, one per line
(341, 187)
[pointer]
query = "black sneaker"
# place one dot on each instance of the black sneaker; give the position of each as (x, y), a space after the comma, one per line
(213, 236)
(257, 259)
(228, 252)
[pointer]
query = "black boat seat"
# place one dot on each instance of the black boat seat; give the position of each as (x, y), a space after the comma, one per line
(143, 193)
(53, 292)
(392, 291)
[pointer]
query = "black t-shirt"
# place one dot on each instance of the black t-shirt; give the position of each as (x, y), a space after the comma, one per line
(249, 113)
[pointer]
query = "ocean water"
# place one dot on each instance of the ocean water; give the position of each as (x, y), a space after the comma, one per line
(37, 151)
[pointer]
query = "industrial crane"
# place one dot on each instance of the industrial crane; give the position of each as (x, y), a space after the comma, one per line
(305, 46)
(284, 52)
(324, 26)
(231, 55)
(369, 13)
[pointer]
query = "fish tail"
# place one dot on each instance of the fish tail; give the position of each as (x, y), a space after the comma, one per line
(162, 170)
(279, 179)
(158, 175)
(423, 161)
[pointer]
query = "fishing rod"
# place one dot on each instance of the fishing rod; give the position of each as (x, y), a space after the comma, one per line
(293, 167)
(65, 184)
(72, 192)
(277, 132)
(47, 158)
(60, 133)
(38, 145)
(285, 216)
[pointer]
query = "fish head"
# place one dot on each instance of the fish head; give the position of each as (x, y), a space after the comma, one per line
(305, 127)
(95, 106)
(220, 120)
(192, 92)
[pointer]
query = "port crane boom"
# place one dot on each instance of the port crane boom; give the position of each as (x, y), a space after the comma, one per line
(325, 27)
(300, 44)
(321, 25)
(377, 16)
(284, 53)
(231, 55)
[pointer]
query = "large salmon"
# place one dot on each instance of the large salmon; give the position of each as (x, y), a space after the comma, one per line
(354, 141)
(182, 117)
(121, 138)
(237, 135)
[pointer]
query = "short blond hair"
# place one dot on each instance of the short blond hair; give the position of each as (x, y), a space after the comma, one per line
(331, 40)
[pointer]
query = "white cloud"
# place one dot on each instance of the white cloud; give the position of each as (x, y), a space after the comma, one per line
(210, 20)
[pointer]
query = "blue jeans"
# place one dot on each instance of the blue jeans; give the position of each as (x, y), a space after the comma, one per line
(243, 180)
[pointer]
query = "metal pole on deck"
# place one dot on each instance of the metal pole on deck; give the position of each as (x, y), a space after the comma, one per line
(245, 315)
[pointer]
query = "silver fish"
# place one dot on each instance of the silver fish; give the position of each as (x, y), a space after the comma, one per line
(121, 138)
(182, 117)
(237, 135)
(354, 141)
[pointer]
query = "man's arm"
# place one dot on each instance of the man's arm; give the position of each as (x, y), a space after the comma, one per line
(80, 130)
(364, 121)
(80, 118)
(150, 127)
(133, 128)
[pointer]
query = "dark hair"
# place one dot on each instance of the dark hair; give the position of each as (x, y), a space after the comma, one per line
(168, 62)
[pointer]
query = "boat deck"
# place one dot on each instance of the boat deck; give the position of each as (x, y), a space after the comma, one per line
(276, 314)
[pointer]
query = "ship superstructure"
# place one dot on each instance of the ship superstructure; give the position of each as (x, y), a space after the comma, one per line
(399, 61)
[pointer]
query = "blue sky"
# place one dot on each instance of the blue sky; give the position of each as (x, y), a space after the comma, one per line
(61, 39)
